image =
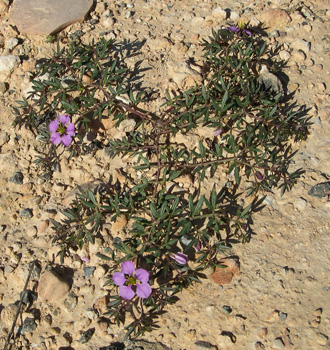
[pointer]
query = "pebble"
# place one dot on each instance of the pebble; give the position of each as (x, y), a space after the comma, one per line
(227, 309)
(283, 316)
(26, 213)
(322, 338)
(318, 312)
(300, 204)
(87, 336)
(278, 344)
(202, 345)
(218, 12)
(7, 65)
(225, 275)
(29, 325)
(17, 178)
(92, 314)
(302, 45)
(70, 302)
(89, 271)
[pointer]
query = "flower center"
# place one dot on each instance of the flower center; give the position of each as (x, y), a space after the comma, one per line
(61, 129)
(131, 281)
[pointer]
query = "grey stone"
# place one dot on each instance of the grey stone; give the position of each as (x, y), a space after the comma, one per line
(47, 17)
(89, 271)
(29, 325)
(17, 178)
(283, 316)
(320, 190)
(26, 213)
(87, 336)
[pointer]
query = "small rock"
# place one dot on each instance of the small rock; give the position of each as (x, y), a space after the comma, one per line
(89, 271)
(320, 190)
(274, 19)
(302, 45)
(47, 17)
(225, 275)
(322, 338)
(202, 345)
(283, 316)
(11, 43)
(42, 227)
(101, 304)
(26, 213)
(227, 309)
(92, 314)
(183, 75)
(17, 178)
(298, 56)
(300, 204)
(318, 312)
(29, 325)
(7, 65)
(269, 81)
(218, 12)
(87, 336)
(127, 125)
(52, 287)
(259, 346)
(278, 343)
(70, 302)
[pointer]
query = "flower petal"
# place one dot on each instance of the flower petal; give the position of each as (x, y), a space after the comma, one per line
(142, 275)
(66, 140)
(127, 267)
(64, 119)
(233, 29)
(119, 278)
(248, 32)
(53, 125)
(55, 138)
(70, 129)
(126, 292)
(180, 258)
(143, 290)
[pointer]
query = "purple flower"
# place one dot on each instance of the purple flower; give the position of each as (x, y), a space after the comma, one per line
(237, 29)
(180, 258)
(62, 130)
(259, 175)
(128, 278)
(218, 132)
(233, 29)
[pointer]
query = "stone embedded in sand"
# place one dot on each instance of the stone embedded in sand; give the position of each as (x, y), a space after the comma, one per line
(226, 274)
(7, 65)
(52, 287)
(47, 16)
(274, 19)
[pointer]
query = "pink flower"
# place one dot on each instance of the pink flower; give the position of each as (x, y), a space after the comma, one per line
(62, 130)
(130, 278)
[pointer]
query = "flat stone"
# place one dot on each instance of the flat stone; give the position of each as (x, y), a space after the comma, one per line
(320, 190)
(47, 17)
(52, 287)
